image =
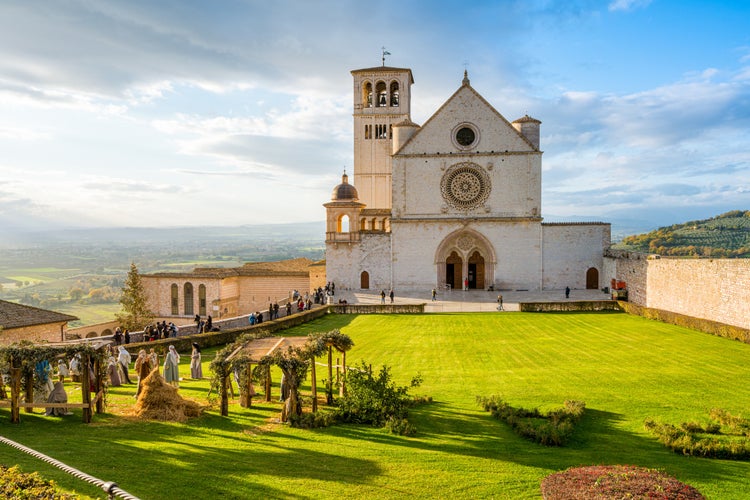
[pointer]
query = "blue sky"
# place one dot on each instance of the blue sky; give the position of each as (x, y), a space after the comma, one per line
(181, 113)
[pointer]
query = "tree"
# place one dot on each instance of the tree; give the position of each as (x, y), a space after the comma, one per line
(135, 314)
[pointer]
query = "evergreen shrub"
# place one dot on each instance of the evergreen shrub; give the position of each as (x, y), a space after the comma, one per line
(712, 441)
(553, 428)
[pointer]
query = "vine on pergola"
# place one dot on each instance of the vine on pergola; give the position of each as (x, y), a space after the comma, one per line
(294, 362)
(333, 340)
(20, 360)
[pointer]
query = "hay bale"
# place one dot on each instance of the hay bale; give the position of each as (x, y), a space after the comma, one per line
(160, 401)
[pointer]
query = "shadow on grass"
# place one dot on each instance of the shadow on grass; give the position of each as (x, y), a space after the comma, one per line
(232, 464)
(598, 439)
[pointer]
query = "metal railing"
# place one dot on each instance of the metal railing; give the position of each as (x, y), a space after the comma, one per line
(109, 487)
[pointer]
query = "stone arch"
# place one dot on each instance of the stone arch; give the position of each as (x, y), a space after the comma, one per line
(107, 332)
(342, 224)
(91, 335)
(472, 248)
(592, 278)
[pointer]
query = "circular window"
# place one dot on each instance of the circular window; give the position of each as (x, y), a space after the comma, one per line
(465, 136)
(465, 186)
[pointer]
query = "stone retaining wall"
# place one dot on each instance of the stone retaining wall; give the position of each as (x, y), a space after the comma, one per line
(588, 305)
(377, 308)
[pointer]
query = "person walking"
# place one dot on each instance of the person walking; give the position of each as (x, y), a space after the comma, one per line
(382, 296)
(567, 292)
(391, 295)
(434, 294)
(500, 302)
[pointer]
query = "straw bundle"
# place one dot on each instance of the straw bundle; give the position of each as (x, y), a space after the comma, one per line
(160, 401)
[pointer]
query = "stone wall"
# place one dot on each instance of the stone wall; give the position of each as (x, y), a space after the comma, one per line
(711, 289)
(51, 332)
(570, 250)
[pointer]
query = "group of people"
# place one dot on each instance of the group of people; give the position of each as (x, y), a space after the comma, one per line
(159, 331)
(121, 336)
(390, 294)
(204, 326)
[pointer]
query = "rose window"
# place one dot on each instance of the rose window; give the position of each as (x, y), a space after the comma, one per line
(465, 186)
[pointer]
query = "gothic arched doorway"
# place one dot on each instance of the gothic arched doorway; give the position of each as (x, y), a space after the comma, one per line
(465, 254)
(364, 280)
(592, 279)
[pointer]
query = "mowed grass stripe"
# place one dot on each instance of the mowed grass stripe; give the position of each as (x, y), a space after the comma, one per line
(625, 368)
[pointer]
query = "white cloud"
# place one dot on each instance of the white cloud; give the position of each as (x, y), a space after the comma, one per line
(628, 5)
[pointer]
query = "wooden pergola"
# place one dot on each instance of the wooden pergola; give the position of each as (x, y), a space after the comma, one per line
(64, 349)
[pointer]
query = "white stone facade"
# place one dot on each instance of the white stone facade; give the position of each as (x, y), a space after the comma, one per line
(461, 205)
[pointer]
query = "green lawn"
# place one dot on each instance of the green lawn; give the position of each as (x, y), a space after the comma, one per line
(624, 367)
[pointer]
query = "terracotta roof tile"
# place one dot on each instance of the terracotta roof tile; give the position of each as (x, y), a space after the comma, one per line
(14, 315)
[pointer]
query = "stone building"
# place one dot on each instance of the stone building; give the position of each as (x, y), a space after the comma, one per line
(456, 201)
(19, 322)
(225, 292)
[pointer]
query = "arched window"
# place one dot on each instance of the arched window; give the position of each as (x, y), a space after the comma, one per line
(367, 95)
(382, 92)
(343, 224)
(394, 94)
(364, 280)
(175, 300)
(188, 294)
(202, 300)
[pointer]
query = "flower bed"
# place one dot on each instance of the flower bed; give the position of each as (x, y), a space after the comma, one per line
(615, 482)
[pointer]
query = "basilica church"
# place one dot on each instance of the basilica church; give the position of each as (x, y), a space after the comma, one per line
(453, 203)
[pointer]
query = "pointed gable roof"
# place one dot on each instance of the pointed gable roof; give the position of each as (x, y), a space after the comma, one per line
(14, 315)
(467, 105)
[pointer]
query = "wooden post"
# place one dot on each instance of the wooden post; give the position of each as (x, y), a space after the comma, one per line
(224, 397)
(338, 374)
(98, 386)
(314, 386)
(29, 392)
(342, 388)
(250, 388)
(86, 388)
(329, 382)
(15, 392)
(268, 386)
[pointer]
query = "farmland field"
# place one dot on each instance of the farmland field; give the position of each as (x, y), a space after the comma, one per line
(625, 368)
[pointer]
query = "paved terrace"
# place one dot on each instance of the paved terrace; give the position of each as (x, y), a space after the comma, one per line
(471, 300)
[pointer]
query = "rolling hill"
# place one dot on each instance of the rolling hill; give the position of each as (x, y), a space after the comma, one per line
(724, 236)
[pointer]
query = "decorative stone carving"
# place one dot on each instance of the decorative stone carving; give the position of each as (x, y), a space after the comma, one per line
(465, 186)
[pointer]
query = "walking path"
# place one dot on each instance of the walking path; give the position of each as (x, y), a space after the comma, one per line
(471, 300)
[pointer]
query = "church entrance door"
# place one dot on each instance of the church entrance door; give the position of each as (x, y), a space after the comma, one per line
(453, 267)
(476, 271)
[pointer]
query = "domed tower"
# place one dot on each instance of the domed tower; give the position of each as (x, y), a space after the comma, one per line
(342, 213)
(382, 98)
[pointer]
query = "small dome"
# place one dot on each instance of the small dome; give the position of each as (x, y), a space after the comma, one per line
(344, 191)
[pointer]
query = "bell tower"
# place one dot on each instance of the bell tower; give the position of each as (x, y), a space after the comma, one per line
(382, 98)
